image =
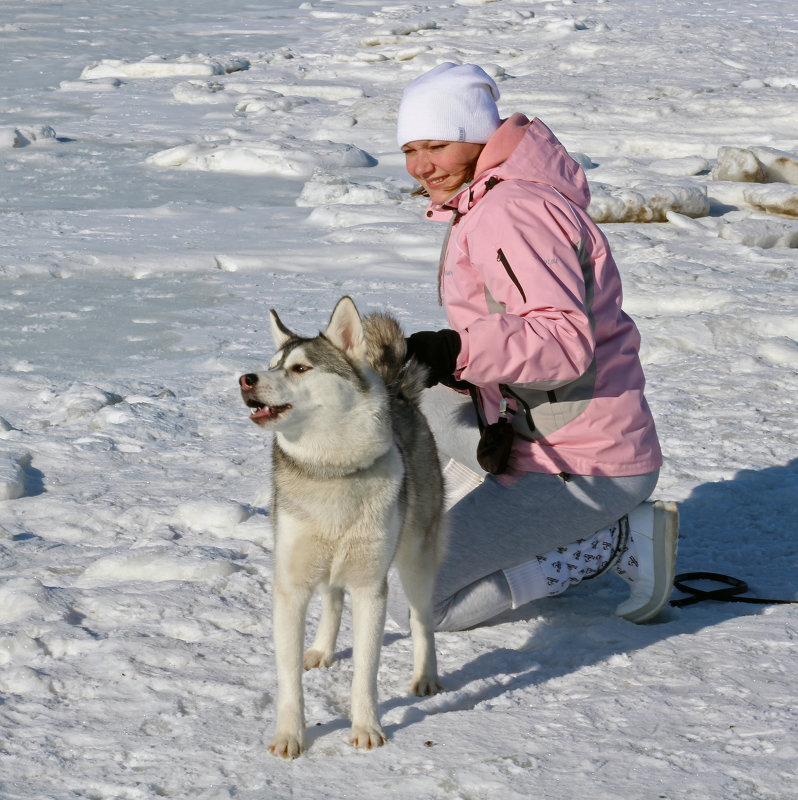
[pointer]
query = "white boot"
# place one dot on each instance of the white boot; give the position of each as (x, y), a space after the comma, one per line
(649, 563)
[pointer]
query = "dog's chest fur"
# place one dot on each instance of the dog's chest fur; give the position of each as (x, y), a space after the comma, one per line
(325, 523)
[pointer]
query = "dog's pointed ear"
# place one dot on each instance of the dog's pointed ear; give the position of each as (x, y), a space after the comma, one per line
(345, 330)
(280, 333)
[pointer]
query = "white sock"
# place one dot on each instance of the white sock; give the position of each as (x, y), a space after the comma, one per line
(554, 572)
(527, 582)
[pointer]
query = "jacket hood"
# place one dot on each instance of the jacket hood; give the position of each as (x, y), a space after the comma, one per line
(527, 151)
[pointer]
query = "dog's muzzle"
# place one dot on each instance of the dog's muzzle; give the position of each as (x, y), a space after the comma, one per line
(263, 413)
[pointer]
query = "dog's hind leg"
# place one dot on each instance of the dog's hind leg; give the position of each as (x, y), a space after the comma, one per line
(290, 608)
(322, 651)
(417, 572)
(368, 620)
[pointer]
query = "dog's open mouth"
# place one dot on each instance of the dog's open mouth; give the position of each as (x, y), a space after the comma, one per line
(264, 413)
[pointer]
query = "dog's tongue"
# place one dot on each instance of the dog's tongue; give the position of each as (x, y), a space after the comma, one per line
(262, 413)
(267, 412)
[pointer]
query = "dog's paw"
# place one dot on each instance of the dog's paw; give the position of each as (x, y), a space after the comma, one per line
(286, 745)
(317, 658)
(367, 737)
(425, 686)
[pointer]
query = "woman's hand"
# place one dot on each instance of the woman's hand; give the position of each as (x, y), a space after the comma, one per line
(437, 351)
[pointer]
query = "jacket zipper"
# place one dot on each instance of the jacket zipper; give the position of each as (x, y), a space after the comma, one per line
(506, 264)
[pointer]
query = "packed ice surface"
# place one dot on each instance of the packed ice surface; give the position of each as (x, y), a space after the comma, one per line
(169, 174)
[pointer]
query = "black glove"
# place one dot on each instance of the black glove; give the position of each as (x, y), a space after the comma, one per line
(437, 351)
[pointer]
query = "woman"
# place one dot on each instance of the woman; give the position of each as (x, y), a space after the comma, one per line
(533, 299)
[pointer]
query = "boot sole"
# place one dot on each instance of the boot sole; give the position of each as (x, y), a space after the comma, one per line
(665, 544)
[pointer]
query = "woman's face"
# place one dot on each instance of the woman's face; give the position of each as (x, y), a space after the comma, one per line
(441, 167)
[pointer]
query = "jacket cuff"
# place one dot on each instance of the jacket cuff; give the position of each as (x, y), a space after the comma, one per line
(462, 356)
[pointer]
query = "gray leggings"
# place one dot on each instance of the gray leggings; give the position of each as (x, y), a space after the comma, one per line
(495, 527)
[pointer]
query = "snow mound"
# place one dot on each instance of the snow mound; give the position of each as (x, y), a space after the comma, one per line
(268, 102)
(155, 565)
(20, 681)
(396, 32)
(359, 57)
(775, 198)
(199, 92)
(324, 189)
(91, 85)
(19, 598)
(214, 516)
(12, 475)
(584, 161)
(755, 165)
(780, 199)
(779, 165)
(331, 92)
(160, 67)
(764, 233)
(340, 218)
(677, 167)
(24, 136)
(646, 201)
(79, 400)
(738, 164)
(281, 157)
(779, 350)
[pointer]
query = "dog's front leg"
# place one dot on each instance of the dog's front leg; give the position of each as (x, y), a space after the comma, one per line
(368, 620)
(322, 651)
(290, 608)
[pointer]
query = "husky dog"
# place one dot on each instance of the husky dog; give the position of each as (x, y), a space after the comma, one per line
(356, 486)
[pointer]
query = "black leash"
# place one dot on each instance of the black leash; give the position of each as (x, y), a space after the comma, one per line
(729, 593)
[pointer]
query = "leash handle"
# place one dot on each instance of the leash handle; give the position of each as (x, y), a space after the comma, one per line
(729, 593)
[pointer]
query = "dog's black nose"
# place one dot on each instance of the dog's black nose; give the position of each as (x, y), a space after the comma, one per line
(248, 381)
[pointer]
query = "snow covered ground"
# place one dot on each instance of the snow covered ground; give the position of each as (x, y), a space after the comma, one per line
(169, 172)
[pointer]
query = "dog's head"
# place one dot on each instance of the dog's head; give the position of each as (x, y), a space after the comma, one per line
(310, 381)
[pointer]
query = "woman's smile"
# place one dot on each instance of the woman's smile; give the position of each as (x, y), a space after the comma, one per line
(441, 167)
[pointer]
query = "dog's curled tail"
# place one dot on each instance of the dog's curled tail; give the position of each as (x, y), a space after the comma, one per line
(412, 381)
(386, 350)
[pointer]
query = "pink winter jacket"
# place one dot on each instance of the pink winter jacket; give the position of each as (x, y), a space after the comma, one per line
(529, 283)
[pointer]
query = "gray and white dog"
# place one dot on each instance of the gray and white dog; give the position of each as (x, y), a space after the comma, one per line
(357, 486)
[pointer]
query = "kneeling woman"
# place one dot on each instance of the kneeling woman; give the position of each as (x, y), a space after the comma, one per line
(537, 333)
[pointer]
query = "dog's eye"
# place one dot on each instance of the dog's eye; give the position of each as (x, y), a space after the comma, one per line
(300, 368)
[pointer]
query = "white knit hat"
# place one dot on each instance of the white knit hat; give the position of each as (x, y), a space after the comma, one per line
(450, 103)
